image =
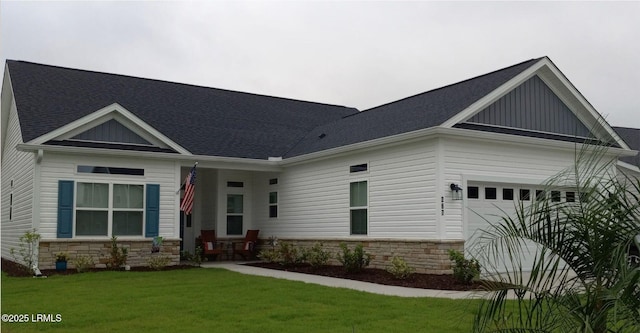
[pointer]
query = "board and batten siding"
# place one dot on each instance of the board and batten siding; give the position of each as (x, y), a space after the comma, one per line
(17, 167)
(496, 161)
(313, 198)
(56, 167)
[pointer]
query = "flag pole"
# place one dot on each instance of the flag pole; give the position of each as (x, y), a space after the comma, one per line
(185, 180)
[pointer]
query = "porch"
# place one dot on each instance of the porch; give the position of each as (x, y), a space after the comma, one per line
(229, 201)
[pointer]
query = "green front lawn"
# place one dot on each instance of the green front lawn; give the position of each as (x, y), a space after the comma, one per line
(217, 300)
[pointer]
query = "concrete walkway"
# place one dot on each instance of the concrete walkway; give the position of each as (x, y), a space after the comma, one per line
(344, 283)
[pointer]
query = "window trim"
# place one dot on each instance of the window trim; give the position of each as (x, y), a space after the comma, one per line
(354, 208)
(507, 190)
(241, 214)
(476, 191)
(359, 168)
(273, 204)
(110, 209)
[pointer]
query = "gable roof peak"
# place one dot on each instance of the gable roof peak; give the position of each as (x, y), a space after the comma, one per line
(531, 61)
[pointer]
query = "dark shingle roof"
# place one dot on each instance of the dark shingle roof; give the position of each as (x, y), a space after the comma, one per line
(206, 121)
(216, 122)
(424, 110)
(632, 137)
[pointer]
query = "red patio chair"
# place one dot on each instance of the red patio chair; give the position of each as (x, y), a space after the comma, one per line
(248, 249)
(210, 245)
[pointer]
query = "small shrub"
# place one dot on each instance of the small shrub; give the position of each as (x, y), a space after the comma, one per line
(195, 259)
(464, 270)
(316, 256)
(289, 255)
(269, 255)
(158, 262)
(353, 261)
(399, 268)
(118, 255)
(83, 263)
(27, 252)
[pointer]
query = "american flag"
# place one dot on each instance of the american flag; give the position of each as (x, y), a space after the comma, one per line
(190, 186)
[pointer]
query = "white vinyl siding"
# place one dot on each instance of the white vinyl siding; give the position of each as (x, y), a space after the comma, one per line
(314, 200)
(497, 161)
(57, 167)
(19, 168)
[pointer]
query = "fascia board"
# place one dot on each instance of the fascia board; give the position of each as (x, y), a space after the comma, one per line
(441, 131)
(493, 96)
(527, 141)
(593, 120)
(107, 113)
(628, 166)
(547, 71)
(8, 102)
(362, 146)
(186, 160)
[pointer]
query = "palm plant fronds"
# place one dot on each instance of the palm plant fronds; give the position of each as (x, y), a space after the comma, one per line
(581, 280)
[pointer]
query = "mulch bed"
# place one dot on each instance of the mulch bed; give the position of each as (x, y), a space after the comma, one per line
(379, 276)
(14, 269)
(373, 275)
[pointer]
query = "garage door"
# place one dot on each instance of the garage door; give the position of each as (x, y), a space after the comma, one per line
(488, 202)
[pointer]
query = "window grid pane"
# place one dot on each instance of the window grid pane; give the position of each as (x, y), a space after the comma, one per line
(93, 195)
(234, 225)
(235, 204)
(91, 223)
(358, 221)
(358, 194)
(127, 223)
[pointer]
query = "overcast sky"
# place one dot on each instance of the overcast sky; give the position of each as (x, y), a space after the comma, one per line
(358, 54)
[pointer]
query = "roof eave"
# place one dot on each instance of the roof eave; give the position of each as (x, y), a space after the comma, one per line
(596, 122)
(219, 162)
(445, 132)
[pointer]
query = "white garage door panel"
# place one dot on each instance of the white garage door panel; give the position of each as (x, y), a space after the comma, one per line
(485, 209)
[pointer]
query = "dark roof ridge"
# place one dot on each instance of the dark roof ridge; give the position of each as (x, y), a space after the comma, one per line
(449, 85)
(179, 83)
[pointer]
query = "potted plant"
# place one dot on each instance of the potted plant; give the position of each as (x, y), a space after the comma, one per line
(61, 261)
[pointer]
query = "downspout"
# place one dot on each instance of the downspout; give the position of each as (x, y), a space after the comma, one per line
(35, 211)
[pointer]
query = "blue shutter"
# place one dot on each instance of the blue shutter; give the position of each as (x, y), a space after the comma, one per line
(65, 208)
(152, 212)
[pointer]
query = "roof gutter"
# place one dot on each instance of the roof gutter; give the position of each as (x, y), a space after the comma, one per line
(430, 132)
(221, 162)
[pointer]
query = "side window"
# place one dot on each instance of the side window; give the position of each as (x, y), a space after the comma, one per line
(273, 198)
(235, 213)
(525, 194)
(358, 203)
(555, 196)
(358, 168)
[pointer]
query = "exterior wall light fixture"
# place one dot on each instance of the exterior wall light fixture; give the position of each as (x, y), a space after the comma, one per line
(456, 191)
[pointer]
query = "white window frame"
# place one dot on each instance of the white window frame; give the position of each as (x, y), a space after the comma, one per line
(352, 208)
(273, 188)
(110, 207)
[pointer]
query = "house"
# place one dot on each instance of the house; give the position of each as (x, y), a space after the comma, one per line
(89, 155)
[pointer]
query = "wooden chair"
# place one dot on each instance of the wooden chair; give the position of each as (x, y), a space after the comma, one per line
(248, 249)
(210, 245)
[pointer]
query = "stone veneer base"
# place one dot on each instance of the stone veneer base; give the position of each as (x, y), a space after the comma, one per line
(139, 251)
(426, 256)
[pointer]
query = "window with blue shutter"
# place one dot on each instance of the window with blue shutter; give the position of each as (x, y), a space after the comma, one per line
(152, 213)
(65, 208)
